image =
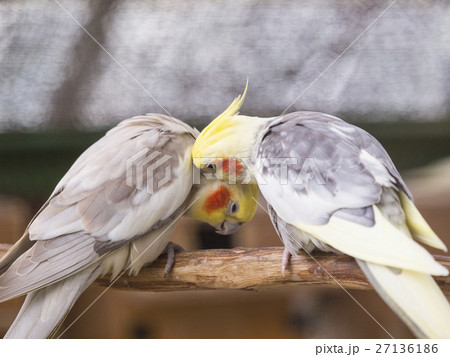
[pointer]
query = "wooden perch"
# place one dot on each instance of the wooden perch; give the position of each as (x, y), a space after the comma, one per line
(249, 269)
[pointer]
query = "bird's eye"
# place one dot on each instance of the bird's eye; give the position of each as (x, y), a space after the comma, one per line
(210, 166)
(233, 207)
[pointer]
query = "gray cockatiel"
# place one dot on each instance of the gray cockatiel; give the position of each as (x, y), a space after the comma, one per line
(113, 210)
(330, 185)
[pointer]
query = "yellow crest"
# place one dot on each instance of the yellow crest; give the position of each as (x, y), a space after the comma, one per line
(218, 125)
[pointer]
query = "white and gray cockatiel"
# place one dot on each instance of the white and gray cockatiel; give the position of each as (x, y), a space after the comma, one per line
(331, 185)
(113, 210)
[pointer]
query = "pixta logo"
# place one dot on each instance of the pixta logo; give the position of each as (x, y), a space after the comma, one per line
(148, 170)
(282, 170)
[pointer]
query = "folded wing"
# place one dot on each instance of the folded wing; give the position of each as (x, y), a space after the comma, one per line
(96, 208)
(337, 188)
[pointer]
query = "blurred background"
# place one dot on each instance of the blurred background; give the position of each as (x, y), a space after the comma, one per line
(60, 90)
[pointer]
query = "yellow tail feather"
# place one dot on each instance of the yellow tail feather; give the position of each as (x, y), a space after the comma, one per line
(417, 225)
(414, 296)
(382, 244)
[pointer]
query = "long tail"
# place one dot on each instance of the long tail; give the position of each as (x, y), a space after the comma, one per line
(415, 297)
(44, 310)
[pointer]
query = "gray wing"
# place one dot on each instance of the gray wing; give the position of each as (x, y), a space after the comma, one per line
(295, 239)
(94, 210)
(22, 245)
(367, 142)
(338, 168)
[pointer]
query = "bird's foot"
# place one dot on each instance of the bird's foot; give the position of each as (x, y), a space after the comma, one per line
(170, 250)
(285, 262)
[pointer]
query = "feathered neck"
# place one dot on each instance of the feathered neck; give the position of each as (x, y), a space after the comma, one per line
(239, 139)
(230, 135)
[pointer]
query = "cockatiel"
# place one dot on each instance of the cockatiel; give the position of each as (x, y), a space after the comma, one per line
(331, 185)
(114, 210)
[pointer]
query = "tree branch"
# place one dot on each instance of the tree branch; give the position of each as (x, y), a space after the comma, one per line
(249, 269)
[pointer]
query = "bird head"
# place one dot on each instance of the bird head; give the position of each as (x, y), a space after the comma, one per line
(227, 146)
(223, 205)
(220, 146)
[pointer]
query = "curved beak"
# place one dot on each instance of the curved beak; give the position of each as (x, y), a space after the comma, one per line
(227, 227)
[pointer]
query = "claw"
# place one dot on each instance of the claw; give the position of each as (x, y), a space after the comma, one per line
(170, 250)
(285, 262)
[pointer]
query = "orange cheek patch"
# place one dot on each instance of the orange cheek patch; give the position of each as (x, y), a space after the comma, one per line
(231, 163)
(218, 199)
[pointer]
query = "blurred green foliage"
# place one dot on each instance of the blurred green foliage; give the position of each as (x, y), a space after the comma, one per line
(33, 163)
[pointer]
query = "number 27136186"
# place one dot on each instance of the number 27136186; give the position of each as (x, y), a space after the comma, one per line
(407, 348)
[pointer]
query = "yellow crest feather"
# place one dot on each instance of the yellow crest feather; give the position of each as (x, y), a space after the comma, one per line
(223, 121)
(232, 110)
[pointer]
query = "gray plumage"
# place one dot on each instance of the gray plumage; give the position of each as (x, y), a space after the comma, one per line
(46, 308)
(357, 206)
(294, 239)
(95, 222)
(331, 185)
(344, 183)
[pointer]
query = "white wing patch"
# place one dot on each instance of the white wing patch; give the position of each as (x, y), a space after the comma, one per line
(376, 169)
(288, 203)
